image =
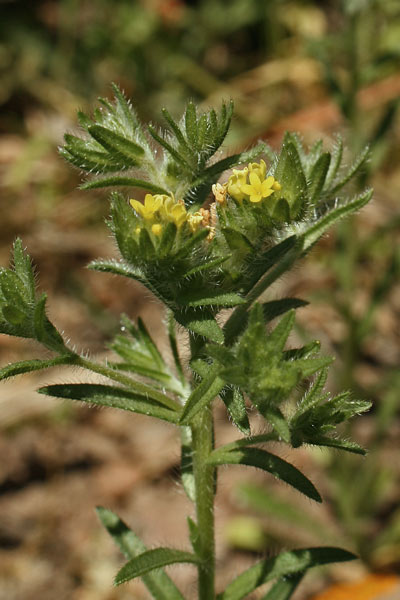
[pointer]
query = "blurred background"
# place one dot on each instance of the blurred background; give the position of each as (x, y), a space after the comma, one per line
(316, 67)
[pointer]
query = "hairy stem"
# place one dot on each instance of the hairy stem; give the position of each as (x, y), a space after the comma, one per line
(202, 445)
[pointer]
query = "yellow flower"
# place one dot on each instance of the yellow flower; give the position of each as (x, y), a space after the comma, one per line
(138, 230)
(257, 189)
(156, 229)
(259, 169)
(174, 211)
(151, 205)
(219, 192)
(194, 220)
(235, 183)
(276, 186)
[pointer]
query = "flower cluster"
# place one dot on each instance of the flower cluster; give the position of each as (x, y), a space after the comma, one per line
(251, 183)
(160, 209)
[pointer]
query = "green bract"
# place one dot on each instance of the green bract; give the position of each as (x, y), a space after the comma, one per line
(205, 240)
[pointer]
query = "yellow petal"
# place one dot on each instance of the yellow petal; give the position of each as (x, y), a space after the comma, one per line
(255, 180)
(276, 186)
(255, 198)
(266, 186)
(138, 206)
(247, 189)
(156, 229)
(153, 203)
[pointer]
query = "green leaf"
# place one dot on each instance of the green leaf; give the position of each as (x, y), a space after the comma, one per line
(146, 338)
(236, 406)
(13, 315)
(115, 397)
(206, 266)
(118, 267)
(170, 149)
(167, 240)
(191, 124)
(224, 300)
(187, 475)
(150, 560)
(313, 233)
(237, 241)
(23, 267)
(261, 459)
(116, 144)
(202, 396)
(279, 335)
(354, 168)
(347, 445)
(44, 330)
(318, 176)
(276, 308)
(283, 565)
(176, 130)
(123, 181)
(274, 415)
(27, 366)
(289, 172)
(309, 366)
(194, 535)
(266, 260)
(203, 323)
(337, 154)
(158, 583)
(125, 112)
(284, 588)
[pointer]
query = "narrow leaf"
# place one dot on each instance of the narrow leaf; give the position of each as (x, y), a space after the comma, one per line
(23, 268)
(27, 366)
(211, 299)
(279, 335)
(117, 267)
(170, 149)
(206, 266)
(274, 415)
(349, 446)
(318, 176)
(276, 308)
(203, 323)
(318, 229)
(236, 406)
(193, 535)
(202, 396)
(115, 143)
(336, 160)
(123, 181)
(158, 583)
(191, 124)
(357, 164)
(176, 129)
(284, 588)
(187, 475)
(261, 459)
(283, 565)
(150, 560)
(269, 258)
(104, 395)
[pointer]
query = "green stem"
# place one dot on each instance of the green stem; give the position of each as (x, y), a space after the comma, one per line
(202, 446)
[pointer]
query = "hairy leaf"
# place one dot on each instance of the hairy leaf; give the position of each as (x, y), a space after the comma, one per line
(261, 459)
(158, 583)
(105, 395)
(283, 565)
(150, 560)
